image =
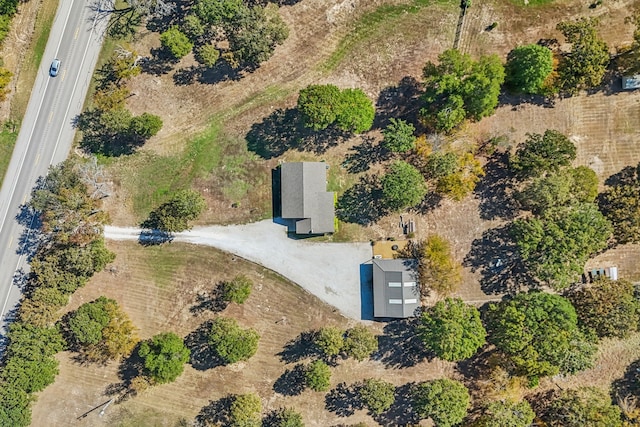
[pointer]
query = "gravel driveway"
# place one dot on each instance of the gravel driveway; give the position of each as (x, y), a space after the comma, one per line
(330, 271)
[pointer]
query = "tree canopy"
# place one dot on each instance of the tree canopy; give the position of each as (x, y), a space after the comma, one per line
(444, 401)
(607, 307)
(176, 43)
(403, 186)
(583, 407)
(540, 335)
(175, 215)
(287, 417)
(459, 87)
(556, 246)
(164, 357)
(586, 64)
(540, 154)
(528, 67)
(246, 411)
(329, 340)
(452, 329)
(377, 395)
(437, 268)
(621, 205)
(318, 376)
(398, 136)
(360, 343)
(324, 105)
(230, 342)
(507, 413)
(237, 290)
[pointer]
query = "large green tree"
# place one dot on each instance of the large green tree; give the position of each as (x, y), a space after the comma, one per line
(286, 417)
(329, 340)
(445, 401)
(317, 105)
(377, 395)
(621, 205)
(556, 246)
(459, 87)
(176, 43)
(528, 67)
(539, 333)
(230, 342)
(175, 215)
(452, 329)
(355, 111)
(540, 154)
(507, 413)
(164, 357)
(88, 321)
(403, 186)
(360, 343)
(586, 64)
(237, 290)
(583, 407)
(607, 307)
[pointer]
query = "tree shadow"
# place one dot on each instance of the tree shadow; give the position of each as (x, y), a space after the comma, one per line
(629, 384)
(31, 237)
(495, 255)
(626, 176)
(361, 156)
(220, 72)
(158, 64)
(130, 368)
(202, 357)
(283, 130)
(343, 400)
(401, 101)
(362, 203)
(299, 348)
(210, 301)
(400, 345)
(97, 139)
(517, 100)
(428, 203)
(479, 366)
(217, 412)
(291, 382)
(401, 412)
(495, 189)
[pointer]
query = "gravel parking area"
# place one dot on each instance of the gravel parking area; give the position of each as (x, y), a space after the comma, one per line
(330, 271)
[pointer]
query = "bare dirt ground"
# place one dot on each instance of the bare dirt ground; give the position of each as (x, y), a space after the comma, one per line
(165, 300)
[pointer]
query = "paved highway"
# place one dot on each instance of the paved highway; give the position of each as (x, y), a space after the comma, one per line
(47, 133)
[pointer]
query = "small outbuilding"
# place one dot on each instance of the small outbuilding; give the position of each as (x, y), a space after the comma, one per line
(305, 198)
(396, 292)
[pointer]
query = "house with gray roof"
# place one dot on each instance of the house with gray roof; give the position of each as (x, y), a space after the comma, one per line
(305, 198)
(396, 292)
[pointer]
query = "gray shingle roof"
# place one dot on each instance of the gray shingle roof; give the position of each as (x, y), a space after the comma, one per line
(396, 292)
(305, 197)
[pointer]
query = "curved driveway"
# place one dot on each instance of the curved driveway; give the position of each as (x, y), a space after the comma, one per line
(330, 271)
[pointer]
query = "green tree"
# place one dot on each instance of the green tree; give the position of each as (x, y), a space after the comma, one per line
(377, 395)
(607, 307)
(88, 321)
(237, 290)
(583, 407)
(216, 12)
(164, 357)
(398, 136)
(329, 340)
(355, 111)
(286, 417)
(232, 343)
(145, 126)
(444, 401)
(539, 333)
(403, 186)
(459, 87)
(360, 343)
(193, 27)
(556, 246)
(254, 33)
(543, 153)
(5, 79)
(528, 67)
(245, 411)
(318, 376)
(452, 329)
(586, 64)
(176, 42)
(440, 165)
(437, 268)
(175, 215)
(15, 406)
(621, 205)
(207, 55)
(585, 184)
(317, 105)
(507, 413)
